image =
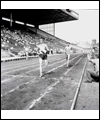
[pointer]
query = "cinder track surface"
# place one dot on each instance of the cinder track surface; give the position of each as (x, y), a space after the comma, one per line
(23, 89)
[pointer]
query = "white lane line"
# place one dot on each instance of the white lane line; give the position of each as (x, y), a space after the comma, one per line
(18, 76)
(6, 80)
(9, 75)
(46, 91)
(10, 79)
(53, 64)
(61, 65)
(42, 95)
(73, 66)
(21, 64)
(78, 88)
(18, 87)
(43, 67)
(13, 76)
(16, 65)
(34, 78)
(18, 69)
(23, 68)
(21, 85)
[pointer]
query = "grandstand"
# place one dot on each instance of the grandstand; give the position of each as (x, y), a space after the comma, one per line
(14, 35)
(14, 40)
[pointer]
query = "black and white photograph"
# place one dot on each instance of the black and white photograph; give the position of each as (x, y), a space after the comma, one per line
(49, 60)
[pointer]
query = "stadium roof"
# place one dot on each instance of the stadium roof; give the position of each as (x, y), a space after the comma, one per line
(40, 16)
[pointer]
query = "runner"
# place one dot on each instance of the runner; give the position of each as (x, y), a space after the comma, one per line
(67, 53)
(43, 50)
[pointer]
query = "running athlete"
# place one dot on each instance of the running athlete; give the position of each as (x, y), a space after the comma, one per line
(67, 53)
(42, 51)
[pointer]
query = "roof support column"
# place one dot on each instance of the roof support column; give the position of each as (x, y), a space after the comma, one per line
(11, 20)
(25, 24)
(37, 27)
(54, 30)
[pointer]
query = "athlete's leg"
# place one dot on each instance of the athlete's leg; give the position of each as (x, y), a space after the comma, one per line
(46, 62)
(66, 56)
(40, 62)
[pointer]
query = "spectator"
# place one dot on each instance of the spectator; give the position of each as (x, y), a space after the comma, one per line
(27, 47)
(93, 75)
(51, 51)
(92, 52)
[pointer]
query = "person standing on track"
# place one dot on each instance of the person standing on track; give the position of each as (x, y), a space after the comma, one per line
(27, 47)
(67, 53)
(43, 50)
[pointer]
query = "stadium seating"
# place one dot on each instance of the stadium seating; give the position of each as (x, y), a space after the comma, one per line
(14, 39)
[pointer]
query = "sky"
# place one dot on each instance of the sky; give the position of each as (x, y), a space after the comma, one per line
(84, 29)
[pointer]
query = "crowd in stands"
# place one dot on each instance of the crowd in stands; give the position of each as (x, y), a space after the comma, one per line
(13, 40)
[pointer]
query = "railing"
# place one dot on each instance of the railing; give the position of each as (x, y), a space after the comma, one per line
(15, 58)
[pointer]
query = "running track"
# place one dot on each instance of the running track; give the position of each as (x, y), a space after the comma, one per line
(16, 75)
